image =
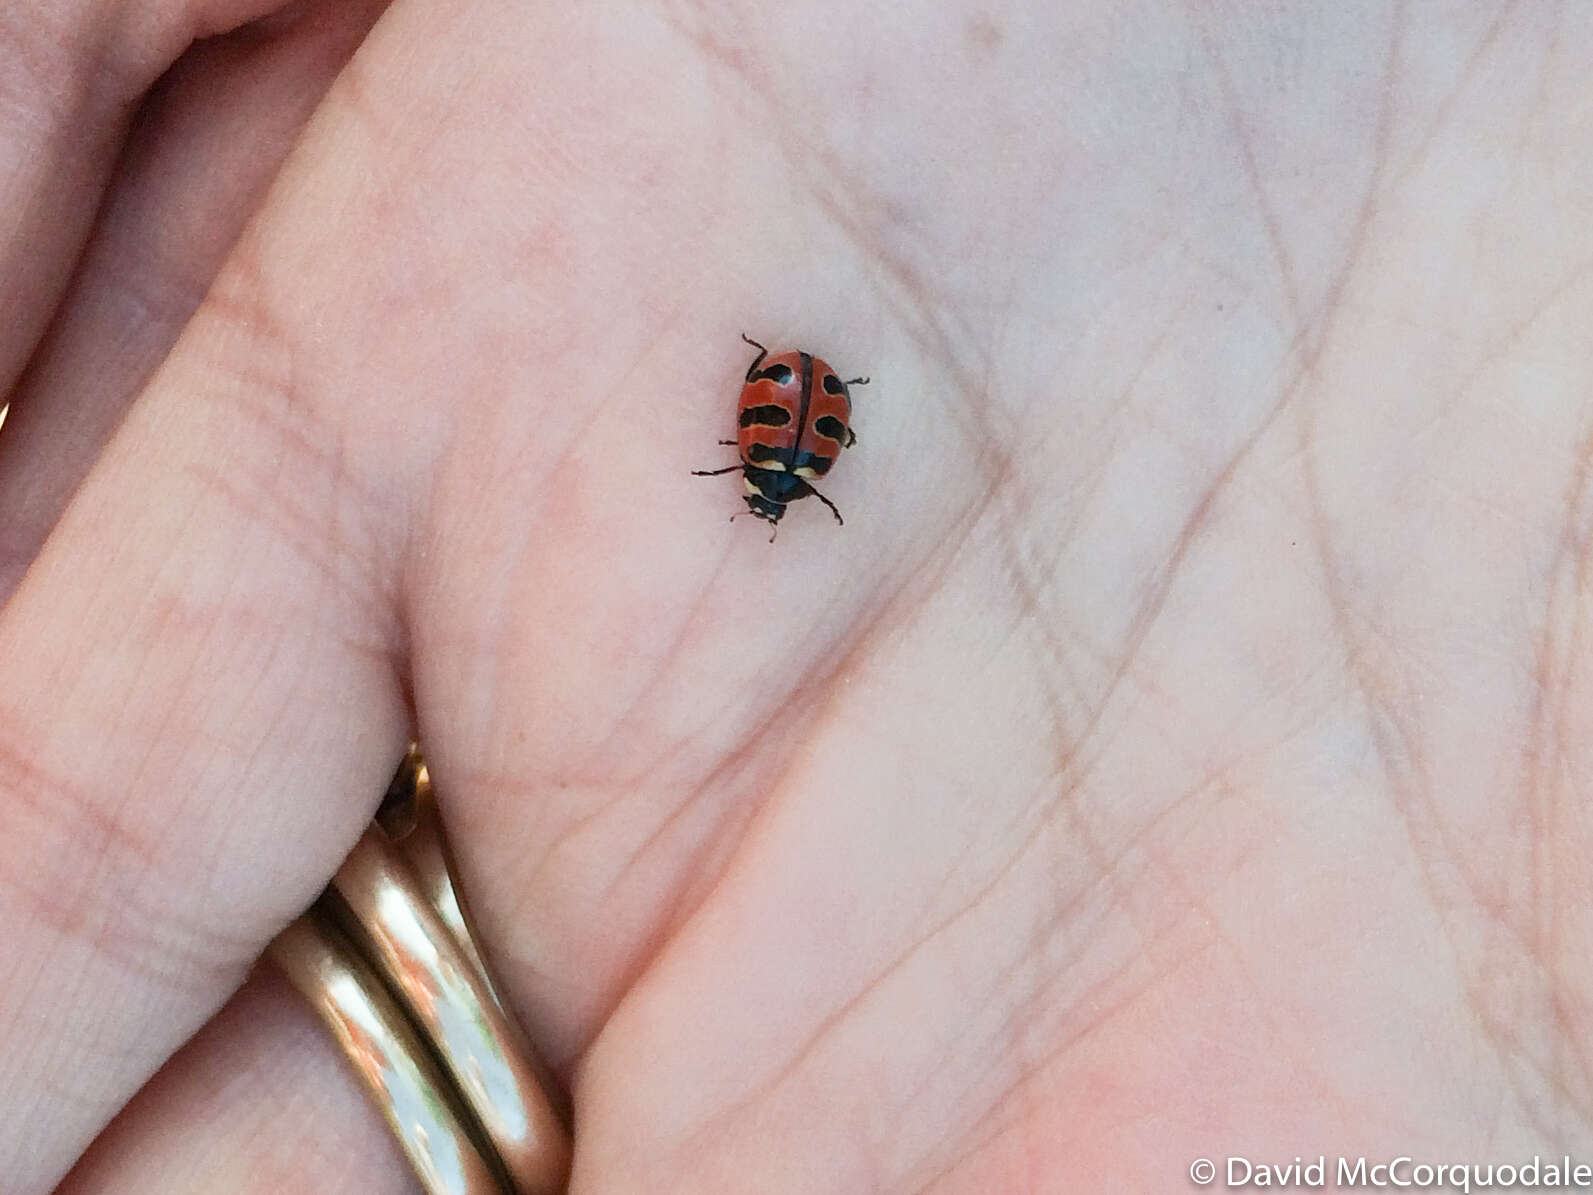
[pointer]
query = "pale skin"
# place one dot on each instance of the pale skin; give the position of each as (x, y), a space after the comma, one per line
(1180, 751)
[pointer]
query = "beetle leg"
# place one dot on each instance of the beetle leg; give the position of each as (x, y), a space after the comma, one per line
(828, 503)
(728, 443)
(857, 382)
(758, 360)
(714, 472)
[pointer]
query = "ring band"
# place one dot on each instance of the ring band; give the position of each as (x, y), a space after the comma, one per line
(393, 917)
(392, 1065)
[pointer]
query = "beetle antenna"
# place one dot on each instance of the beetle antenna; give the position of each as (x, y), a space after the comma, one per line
(753, 343)
(857, 382)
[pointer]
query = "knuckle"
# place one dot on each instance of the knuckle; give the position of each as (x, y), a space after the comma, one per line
(77, 868)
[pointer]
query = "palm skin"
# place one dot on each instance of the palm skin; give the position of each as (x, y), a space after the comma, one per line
(1175, 753)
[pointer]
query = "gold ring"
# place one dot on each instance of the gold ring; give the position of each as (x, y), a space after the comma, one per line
(387, 959)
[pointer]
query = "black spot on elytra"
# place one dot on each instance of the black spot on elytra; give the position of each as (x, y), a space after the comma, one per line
(812, 460)
(834, 385)
(768, 415)
(778, 374)
(829, 425)
(760, 454)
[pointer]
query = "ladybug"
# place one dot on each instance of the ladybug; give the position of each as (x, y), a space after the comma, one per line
(794, 417)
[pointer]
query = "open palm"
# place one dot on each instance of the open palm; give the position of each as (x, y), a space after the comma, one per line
(1174, 755)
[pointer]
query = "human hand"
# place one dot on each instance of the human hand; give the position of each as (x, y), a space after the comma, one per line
(1174, 755)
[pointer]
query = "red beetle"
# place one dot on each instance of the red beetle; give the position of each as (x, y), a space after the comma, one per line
(794, 417)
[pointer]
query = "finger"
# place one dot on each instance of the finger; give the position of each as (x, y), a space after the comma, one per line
(204, 147)
(198, 713)
(70, 75)
(257, 1104)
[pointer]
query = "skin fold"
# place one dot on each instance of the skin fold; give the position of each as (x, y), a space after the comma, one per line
(1176, 754)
